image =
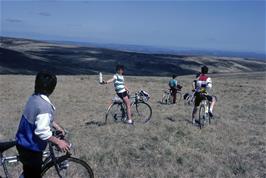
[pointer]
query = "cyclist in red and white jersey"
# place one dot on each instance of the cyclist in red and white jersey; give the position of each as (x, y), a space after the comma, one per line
(203, 86)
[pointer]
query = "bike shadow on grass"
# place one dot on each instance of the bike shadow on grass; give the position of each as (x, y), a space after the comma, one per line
(163, 103)
(169, 118)
(172, 119)
(96, 123)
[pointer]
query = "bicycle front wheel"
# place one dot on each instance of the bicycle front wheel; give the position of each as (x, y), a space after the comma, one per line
(141, 112)
(68, 168)
(202, 118)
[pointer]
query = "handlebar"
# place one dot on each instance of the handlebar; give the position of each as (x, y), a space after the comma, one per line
(59, 134)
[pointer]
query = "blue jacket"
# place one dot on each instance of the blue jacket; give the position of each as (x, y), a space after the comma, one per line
(34, 127)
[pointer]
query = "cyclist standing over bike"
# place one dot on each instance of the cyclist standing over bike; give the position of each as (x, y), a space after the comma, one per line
(173, 84)
(34, 131)
(121, 89)
(203, 85)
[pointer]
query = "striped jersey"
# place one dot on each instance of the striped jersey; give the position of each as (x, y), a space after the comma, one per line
(119, 83)
(204, 82)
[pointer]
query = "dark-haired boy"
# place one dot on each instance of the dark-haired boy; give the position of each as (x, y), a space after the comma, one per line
(34, 131)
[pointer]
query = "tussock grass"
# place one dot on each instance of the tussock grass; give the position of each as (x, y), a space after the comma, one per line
(234, 145)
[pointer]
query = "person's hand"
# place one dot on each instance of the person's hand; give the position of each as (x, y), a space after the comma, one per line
(103, 82)
(63, 145)
(127, 91)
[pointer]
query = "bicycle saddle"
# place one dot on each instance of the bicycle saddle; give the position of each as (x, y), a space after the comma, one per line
(6, 145)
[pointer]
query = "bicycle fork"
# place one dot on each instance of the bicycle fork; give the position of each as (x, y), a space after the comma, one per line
(54, 159)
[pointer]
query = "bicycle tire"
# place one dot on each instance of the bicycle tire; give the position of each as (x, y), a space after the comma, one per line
(114, 113)
(201, 119)
(138, 116)
(178, 97)
(165, 99)
(209, 118)
(49, 169)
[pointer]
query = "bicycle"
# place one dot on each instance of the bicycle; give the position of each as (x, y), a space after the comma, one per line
(167, 97)
(189, 98)
(142, 112)
(63, 166)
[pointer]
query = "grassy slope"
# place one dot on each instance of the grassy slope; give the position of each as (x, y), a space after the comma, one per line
(233, 146)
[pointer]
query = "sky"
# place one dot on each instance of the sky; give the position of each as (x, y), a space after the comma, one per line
(220, 25)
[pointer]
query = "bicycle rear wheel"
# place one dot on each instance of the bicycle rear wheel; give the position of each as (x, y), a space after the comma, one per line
(68, 168)
(165, 99)
(115, 113)
(178, 97)
(201, 120)
(141, 112)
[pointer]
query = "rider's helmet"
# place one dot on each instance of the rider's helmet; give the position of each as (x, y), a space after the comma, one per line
(45, 83)
(204, 70)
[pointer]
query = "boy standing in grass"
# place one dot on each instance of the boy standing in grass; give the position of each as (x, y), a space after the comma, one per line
(173, 84)
(34, 131)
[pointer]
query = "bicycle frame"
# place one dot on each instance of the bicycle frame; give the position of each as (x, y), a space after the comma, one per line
(6, 160)
(48, 156)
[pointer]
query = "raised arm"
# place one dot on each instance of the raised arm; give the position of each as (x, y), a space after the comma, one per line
(109, 81)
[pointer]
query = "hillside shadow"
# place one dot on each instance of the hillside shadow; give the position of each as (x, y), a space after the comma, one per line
(89, 61)
(19, 56)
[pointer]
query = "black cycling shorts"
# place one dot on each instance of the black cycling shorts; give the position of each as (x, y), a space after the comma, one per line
(199, 97)
(122, 95)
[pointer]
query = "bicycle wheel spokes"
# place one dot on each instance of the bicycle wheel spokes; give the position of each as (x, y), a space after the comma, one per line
(70, 168)
(141, 112)
(164, 99)
(178, 97)
(115, 113)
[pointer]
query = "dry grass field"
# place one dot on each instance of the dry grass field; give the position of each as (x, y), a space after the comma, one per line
(234, 145)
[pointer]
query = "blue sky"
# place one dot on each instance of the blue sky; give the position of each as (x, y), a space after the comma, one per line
(223, 25)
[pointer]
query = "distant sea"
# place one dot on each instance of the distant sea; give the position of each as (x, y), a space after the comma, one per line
(173, 51)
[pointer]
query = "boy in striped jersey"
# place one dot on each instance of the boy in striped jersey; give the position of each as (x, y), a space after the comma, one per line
(203, 86)
(121, 89)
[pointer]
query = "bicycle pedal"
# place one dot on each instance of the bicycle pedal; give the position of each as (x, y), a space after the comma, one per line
(124, 119)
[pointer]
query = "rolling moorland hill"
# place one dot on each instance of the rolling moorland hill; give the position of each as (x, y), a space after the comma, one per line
(23, 56)
(168, 146)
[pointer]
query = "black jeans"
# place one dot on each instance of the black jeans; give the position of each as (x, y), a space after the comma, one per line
(32, 162)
